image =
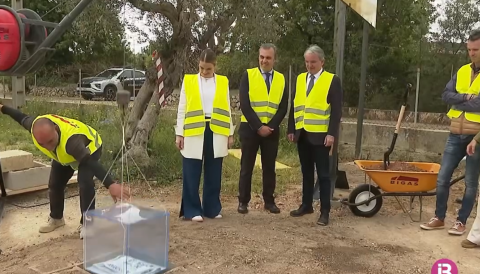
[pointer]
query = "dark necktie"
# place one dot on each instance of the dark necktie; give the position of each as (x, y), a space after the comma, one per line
(267, 80)
(476, 70)
(310, 85)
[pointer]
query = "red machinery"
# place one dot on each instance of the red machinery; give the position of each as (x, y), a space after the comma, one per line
(25, 44)
(18, 38)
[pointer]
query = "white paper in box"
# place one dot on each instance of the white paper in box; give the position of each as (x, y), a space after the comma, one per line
(126, 239)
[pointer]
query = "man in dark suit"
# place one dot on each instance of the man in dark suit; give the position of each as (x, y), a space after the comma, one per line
(264, 104)
(313, 123)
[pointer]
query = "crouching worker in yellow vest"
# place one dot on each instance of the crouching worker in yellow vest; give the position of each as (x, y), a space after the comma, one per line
(204, 132)
(72, 145)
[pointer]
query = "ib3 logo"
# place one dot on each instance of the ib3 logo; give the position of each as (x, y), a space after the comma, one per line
(444, 266)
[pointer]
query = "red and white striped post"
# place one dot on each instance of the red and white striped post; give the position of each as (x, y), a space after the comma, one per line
(158, 64)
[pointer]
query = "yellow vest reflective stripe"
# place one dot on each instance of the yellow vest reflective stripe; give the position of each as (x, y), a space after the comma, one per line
(312, 113)
(69, 127)
(264, 103)
(464, 77)
(194, 115)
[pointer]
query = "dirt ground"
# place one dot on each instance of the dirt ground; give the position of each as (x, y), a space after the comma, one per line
(258, 242)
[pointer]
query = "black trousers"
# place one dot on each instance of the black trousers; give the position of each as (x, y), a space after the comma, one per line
(312, 156)
(250, 143)
(59, 177)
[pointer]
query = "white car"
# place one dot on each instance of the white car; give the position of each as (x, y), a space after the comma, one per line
(108, 82)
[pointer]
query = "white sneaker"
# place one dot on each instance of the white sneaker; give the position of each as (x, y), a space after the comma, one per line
(219, 216)
(81, 230)
(51, 225)
(197, 219)
(84, 232)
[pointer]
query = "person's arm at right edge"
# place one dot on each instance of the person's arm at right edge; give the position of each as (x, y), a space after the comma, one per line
(450, 94)
(477, 138)
(21, 118)
(335, 99)
(245, 105)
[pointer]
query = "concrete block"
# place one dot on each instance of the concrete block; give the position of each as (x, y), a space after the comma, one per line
(13, 160)
(32, 177)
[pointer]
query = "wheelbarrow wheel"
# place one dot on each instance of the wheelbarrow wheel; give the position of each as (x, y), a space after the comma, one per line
(362, 193)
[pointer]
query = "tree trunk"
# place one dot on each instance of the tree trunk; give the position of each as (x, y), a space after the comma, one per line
(141, 102)
(146, 109)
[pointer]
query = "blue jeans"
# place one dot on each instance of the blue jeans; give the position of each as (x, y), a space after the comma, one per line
(455, 150)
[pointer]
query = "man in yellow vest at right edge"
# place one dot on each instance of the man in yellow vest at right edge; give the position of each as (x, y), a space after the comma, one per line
(313, 123)
(264, 104)
(461, 93)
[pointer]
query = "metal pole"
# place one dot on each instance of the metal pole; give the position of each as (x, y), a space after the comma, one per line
(289, 82)
(417, 90)
(361, 96)
(341, 11)
(65, 24)
(80, 85)
(18, 82)
(134, 69)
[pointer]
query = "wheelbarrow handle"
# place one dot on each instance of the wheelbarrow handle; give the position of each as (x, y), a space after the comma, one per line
(402, 109)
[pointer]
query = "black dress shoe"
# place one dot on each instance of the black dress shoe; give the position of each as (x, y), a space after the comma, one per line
(323, 220)
(272, 208)
(302, 210)
(242, 208)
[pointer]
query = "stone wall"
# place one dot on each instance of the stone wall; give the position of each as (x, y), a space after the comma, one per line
(413, 144)
(65, 91)
(348, 112)
(392, 115)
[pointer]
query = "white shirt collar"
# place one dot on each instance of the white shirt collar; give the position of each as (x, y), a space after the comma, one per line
(317, 75)
(266, 71)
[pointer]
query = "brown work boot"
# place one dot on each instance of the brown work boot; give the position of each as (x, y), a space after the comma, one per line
(458, 228)
(52, 225)
(467, 244)
(434, 223)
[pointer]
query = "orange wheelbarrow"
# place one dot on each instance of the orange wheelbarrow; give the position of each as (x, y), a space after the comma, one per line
(367, 199)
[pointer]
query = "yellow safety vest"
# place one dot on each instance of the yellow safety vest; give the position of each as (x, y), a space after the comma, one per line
(68, 127)
(312, 113)
(463, 86)
(194, 115)
(264, 103)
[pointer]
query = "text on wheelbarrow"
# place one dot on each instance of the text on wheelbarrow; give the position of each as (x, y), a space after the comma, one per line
(404, 180)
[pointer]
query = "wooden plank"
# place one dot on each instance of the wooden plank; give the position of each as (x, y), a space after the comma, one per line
(73, 180)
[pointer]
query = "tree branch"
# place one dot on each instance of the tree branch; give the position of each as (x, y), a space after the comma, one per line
(222, 22)
(165, 8)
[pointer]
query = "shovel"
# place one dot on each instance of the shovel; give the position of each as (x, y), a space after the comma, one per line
(386, 155)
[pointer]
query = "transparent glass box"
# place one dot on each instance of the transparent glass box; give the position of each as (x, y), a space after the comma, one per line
(126, 239)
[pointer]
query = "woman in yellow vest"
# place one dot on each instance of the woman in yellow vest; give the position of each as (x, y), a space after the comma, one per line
(204, 132)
